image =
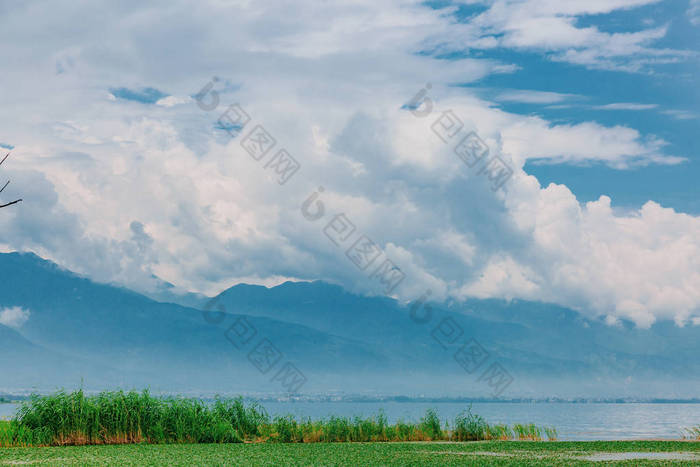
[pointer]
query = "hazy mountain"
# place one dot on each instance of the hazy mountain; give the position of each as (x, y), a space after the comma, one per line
(158, 344)
(546, 347)
(109, 336)
(24, 364)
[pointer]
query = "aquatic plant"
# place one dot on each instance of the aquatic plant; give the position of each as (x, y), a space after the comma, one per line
(527, 432)
(551, 433)
(430, 425)
(470, 427)
(117, 417)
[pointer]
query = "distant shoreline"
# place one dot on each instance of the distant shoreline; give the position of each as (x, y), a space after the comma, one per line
(10, 398)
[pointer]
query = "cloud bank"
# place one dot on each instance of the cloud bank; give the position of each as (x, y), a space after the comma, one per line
(142, 183)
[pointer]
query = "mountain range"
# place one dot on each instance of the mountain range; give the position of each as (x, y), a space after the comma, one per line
(61, 330)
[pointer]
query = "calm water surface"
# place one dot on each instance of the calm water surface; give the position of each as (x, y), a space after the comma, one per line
(573, 421)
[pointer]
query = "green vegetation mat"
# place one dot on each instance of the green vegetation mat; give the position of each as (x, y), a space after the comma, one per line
(425, 453)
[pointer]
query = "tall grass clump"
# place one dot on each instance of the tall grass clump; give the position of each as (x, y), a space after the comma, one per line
(404, 431)
(245, 420)
(334, 429)
(527, 432)
(117, 417)
(430, 425)
(469, 427)
(551, 433)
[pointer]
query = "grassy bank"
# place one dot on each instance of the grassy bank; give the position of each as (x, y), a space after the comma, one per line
(131, 417)
(499, 453)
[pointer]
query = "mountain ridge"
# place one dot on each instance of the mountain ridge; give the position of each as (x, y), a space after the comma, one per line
(337, 339)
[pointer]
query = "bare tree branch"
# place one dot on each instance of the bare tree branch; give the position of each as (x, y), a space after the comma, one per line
(8, 182)
(10, 204)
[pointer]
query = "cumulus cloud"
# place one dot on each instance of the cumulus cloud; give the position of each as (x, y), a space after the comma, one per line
(642, 265)
(552, 26)
(14, 317)
(129, 188)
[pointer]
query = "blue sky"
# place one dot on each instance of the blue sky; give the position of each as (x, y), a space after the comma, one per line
(592, 104)
(670, 93)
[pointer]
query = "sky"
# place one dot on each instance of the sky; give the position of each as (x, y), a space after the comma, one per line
(133, 172)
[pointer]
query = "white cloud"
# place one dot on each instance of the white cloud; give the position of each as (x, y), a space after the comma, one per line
(503, 277)
(620, 147)
(552, 26)
(642, 266)
(14, 317)
(533, 97)
(626, 106)
(680, 114)
(120, 190)
(694, 12)
(172, 101)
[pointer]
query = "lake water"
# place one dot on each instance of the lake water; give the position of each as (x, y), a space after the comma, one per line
(583, 421)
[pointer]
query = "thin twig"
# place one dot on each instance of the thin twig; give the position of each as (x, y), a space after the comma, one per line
(10, 204)
(8, 182)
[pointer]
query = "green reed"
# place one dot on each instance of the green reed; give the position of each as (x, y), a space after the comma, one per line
(118, 417)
